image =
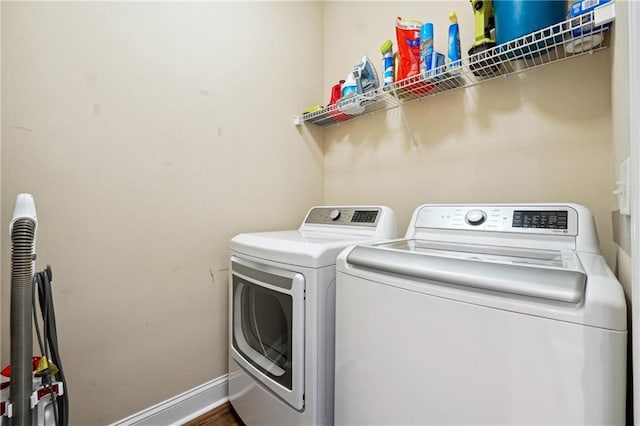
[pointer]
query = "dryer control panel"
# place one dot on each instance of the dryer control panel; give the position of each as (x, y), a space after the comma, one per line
(358, 216)
(369, 221)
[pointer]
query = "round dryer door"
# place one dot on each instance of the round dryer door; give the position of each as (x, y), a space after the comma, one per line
(267, 315)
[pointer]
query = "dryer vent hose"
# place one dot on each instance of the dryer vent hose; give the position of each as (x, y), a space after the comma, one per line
(22, 258)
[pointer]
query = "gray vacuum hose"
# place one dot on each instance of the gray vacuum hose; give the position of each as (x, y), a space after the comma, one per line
(22, 239)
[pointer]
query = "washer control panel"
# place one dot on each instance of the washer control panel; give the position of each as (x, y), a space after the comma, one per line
(343, 216)
(542, 219)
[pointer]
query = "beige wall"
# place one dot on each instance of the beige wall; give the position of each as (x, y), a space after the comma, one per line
(540, 136)
(620, 81)
(620, 115)
(149, 134)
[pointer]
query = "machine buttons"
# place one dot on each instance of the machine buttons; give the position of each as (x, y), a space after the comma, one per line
(334, 214)
(475, 217)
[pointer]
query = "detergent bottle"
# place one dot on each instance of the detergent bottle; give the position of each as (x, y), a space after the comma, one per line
(453, 54)
(426, 47)
(387, 62)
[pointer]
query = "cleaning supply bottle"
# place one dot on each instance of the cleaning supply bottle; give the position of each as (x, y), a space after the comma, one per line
(387, 62)
(453, 54)
(426, 47)
(349, 87)
(336, 92)
(350, 102)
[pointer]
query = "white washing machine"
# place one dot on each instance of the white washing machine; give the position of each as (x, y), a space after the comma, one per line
(282, 314)
(493, 314)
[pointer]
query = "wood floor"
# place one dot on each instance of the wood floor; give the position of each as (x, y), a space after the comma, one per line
(219, 416)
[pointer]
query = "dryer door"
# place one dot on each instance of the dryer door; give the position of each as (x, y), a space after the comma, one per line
(267, 327)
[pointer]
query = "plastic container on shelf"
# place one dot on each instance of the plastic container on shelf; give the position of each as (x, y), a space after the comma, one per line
(426, 47)
(388, 63)
(516, 18)
(453, 52)
(527, 28)
(336, 94)
(584, 35)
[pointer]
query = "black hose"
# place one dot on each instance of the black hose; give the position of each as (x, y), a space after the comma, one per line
(22, 239)
(45, 297)
(34, 286)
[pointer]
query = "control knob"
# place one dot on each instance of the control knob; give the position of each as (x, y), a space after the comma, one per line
(334, 214)
(475, 217)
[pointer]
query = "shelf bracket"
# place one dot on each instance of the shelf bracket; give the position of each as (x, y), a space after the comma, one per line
(416, 147)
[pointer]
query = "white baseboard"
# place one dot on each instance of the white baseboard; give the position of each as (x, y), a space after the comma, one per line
(182, 408)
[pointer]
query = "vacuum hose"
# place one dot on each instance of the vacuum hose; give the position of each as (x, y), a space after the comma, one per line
(22, 239)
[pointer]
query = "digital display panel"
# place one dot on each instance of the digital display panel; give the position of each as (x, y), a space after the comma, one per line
(364, 216)
(540, 219)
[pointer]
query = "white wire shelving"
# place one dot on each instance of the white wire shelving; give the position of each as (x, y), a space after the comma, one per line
(574, 37)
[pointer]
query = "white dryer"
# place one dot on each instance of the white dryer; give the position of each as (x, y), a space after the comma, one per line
(493, 314)
(282, 314)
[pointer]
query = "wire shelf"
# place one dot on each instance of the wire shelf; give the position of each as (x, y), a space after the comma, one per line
(574, 37)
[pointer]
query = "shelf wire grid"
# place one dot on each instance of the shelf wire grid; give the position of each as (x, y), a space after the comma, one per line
(571, 38)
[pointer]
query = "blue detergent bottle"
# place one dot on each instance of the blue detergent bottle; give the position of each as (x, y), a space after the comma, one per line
(426, 47)
(453, 53)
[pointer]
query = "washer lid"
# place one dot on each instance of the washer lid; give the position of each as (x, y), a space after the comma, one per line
(562, 285)
(299, 248)
(543, 274)
(560, 259)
